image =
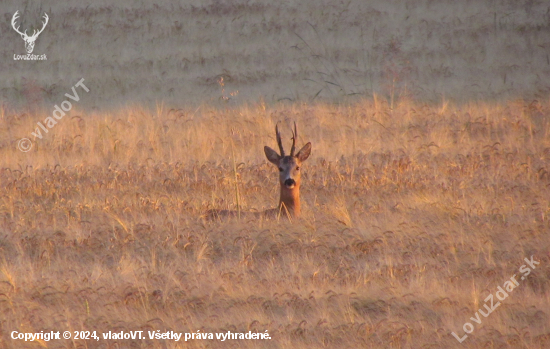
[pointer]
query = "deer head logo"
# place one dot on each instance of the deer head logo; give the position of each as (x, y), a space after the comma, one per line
(29, 40)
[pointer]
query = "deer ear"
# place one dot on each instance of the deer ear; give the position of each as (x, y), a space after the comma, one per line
(272, 155)
(303, 154)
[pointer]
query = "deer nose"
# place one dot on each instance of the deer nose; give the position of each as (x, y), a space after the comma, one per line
(290, 182)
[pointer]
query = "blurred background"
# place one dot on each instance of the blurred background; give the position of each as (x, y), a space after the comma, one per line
(186, 54)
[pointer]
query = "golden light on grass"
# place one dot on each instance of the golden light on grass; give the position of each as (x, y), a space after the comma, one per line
(411, 216)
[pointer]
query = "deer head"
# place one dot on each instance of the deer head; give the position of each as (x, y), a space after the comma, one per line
(29, 40)
(289, 170)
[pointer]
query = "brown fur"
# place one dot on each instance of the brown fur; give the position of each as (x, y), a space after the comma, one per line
(289, 170)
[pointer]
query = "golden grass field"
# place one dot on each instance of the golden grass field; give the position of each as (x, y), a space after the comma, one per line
(411, 218)
(428, 183)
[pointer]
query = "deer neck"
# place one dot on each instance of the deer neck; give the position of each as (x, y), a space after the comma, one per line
(290, 198)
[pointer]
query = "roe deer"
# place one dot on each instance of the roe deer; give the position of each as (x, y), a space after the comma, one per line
(289, 179)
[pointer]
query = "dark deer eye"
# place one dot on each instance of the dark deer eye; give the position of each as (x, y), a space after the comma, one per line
(297, 168)
(280, 169)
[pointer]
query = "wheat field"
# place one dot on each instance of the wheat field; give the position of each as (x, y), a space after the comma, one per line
(427, 188)
(411, 217)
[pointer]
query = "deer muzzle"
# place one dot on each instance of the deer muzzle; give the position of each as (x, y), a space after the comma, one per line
(290, 183)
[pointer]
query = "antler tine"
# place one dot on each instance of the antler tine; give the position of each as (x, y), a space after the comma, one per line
(44, 24)
(279, 141)
(294, 136)
(13, 20)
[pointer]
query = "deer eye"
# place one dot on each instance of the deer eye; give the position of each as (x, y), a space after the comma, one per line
(280, 169)
(297, 168)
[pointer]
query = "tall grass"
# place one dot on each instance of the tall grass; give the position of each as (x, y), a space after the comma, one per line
(412, 215)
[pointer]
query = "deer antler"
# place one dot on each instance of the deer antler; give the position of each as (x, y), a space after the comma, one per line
(294, 136)
(13, 19)
(34, 34)
(43, 25)
(279, 142)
